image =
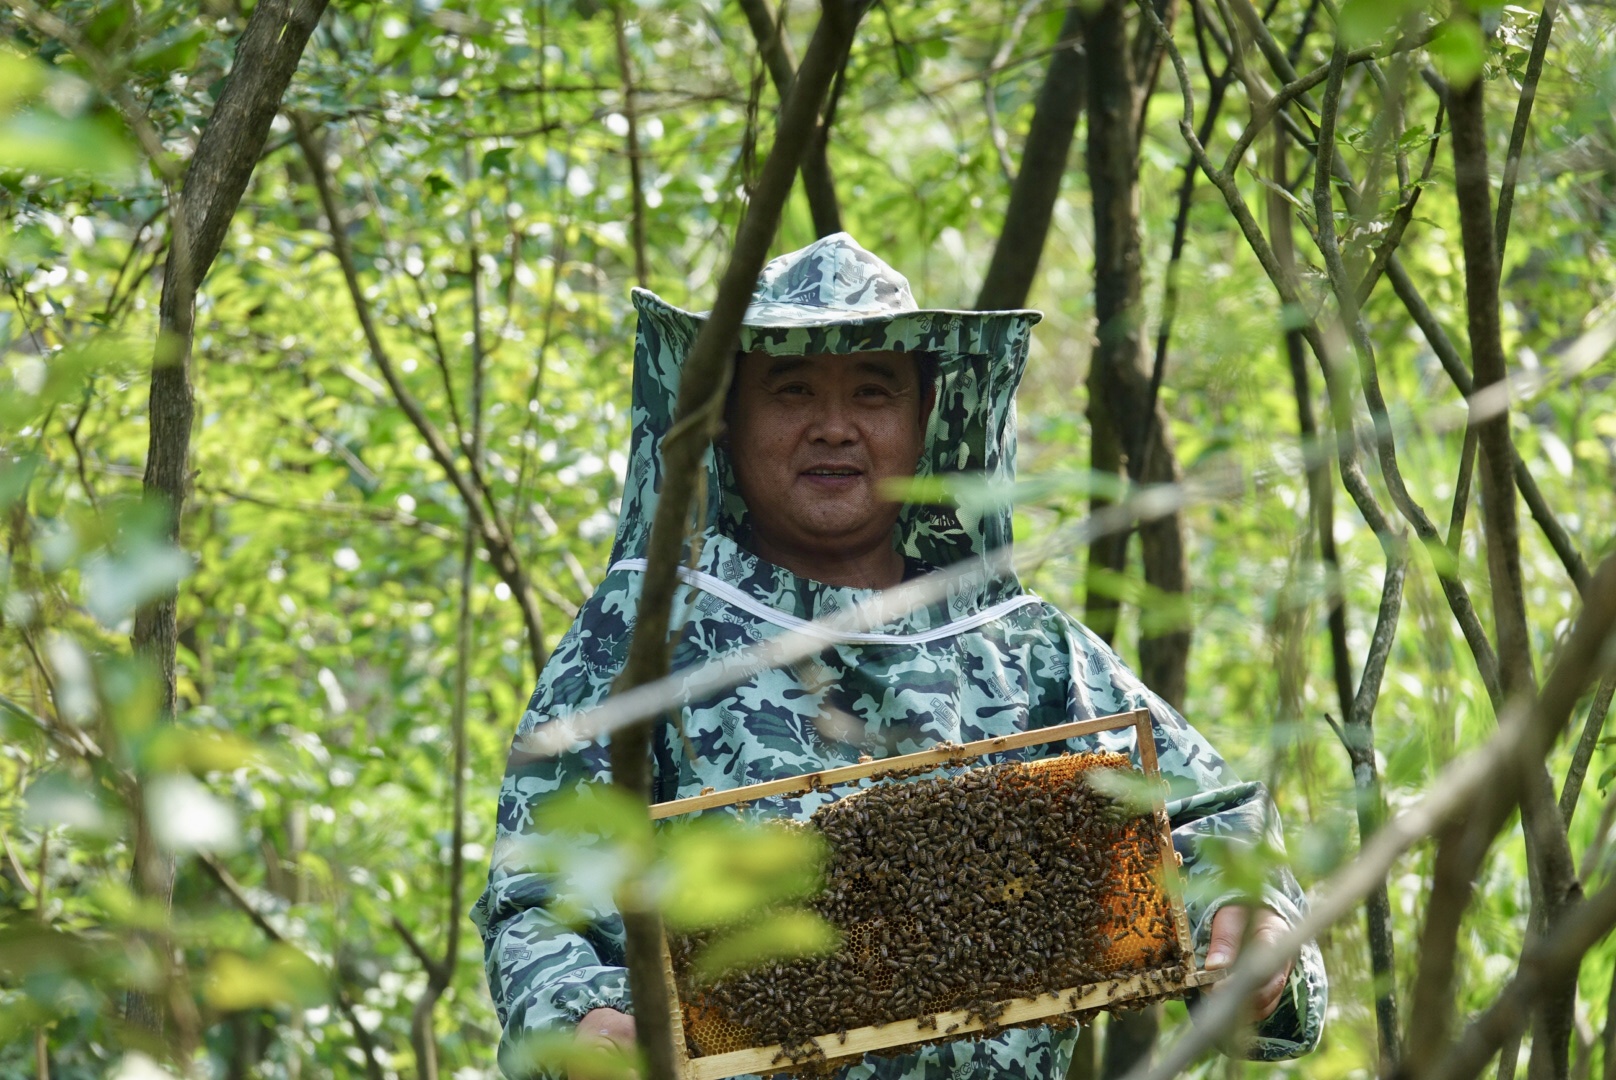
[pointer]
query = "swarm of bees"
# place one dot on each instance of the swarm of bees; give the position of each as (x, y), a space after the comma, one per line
(955, 893)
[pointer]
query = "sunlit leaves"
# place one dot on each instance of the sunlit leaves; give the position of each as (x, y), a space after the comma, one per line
(559, 1053)
(56, 134)
(719, 870)
(60, 799)
(343, 665)
(281, 976)
(713, 871)
(783, 935)
(1459, 51)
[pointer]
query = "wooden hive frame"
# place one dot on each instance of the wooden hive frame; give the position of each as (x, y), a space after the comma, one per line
(857, 1042)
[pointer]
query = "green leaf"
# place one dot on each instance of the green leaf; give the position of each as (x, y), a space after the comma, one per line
(15, 476)
(59, 799)
(498, 160)
(107, 22)
(186, 816)
(281, 976)
(21, 78)
(1459, 52)
(787, 935)
(39, 142)
(718, 870)
(559, 1053)
(1365, 21)
(170, 51)
(176, 749)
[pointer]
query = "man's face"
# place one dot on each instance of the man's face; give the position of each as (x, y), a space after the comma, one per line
(813, 437)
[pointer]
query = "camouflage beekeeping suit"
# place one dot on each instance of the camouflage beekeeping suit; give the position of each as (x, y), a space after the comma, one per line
(986, 661)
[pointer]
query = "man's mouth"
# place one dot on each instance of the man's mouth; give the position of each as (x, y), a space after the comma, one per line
(832, 471)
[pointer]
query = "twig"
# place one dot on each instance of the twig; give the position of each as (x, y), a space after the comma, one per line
(1360, 721)
(1297, 87)
(1525, 732)
(1459, 373)
(1455, 367)
(428, 962)
(239, 897)
(110, 81)
(1020, 245)
(1217, 85)
(1523, 119)
(1544, 965)
(817, 182)
(362, 511)
(1592, 727)
(440, 973)
(491, 529)
(1461, 490)
(1461, 850)
(1351, 474)
(1403, 215)
(642, 272)
(990, 105)
(698, 413)
(17, 869)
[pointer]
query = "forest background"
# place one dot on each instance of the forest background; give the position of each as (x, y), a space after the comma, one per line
(350, 286)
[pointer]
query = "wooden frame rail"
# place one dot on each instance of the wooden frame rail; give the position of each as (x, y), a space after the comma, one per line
(958, 1022)
(945, 754)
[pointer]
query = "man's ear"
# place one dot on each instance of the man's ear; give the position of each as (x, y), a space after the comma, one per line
(928, 401)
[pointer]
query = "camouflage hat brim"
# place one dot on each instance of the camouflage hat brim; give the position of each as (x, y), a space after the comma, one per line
(780, 329)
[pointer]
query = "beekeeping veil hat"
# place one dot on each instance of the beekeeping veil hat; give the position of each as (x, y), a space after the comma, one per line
(835, 297)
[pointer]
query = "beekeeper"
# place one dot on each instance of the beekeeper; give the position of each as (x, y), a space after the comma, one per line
(843, 383)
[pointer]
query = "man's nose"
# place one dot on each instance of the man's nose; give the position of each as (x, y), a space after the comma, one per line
(833, 423)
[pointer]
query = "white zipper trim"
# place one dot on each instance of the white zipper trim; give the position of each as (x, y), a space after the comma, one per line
(734, 597)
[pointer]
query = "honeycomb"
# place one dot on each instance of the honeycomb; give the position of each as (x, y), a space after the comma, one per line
(954, 892)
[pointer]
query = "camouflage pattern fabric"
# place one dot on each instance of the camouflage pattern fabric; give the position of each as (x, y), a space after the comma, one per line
(985, 661)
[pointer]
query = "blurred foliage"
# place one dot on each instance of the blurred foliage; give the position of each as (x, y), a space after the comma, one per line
(311, 760)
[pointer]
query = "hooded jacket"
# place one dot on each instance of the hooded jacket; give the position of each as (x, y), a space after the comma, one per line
(989, 659)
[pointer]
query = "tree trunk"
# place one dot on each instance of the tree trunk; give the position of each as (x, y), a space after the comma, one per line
(1020, 246)
(817, 182)
(266, 57)
(1127, 424)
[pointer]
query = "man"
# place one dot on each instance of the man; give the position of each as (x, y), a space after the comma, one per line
(843, 385)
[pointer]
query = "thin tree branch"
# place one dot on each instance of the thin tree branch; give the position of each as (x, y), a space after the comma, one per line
(1359, 725)
(817, 182)
(697, 416)
(1523, 121)
(1403, 215)
(428, 962)
(1454, 364)
(1462, 848)
(625, 69)
(1592, 728)
(1545, 965)
(1440, 344)
(1218, 84)
(1351, 474)
(238, 896)
(1461, 490)
(491, 529)
(1061, 100)
(1527, 731)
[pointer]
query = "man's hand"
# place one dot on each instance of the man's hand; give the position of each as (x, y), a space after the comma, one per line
(605, 1041)
(1228, 930)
